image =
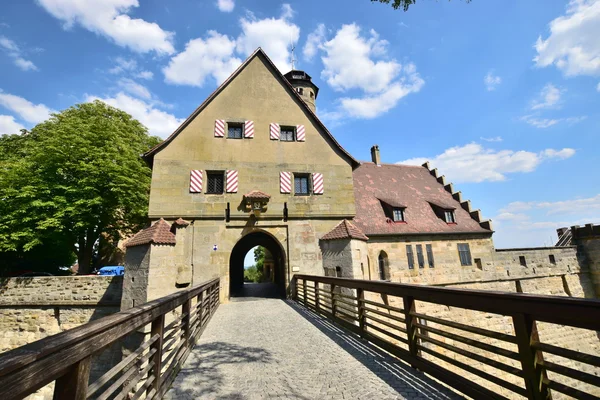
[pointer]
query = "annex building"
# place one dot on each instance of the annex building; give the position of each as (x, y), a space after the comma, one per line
(254, 165)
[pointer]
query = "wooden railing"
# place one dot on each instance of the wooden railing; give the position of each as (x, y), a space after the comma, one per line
(446, 333)
(157, 349)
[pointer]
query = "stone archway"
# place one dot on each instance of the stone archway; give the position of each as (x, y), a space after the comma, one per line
(236, 263)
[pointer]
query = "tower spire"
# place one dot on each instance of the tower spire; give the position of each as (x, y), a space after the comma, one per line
(293, 60)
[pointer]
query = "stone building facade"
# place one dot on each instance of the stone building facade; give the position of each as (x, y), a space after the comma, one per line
(253, 165)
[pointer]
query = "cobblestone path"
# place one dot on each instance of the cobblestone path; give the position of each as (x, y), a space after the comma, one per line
(274, 349)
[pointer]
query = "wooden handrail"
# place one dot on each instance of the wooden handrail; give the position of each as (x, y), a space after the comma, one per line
(65, 357)
(408, 336)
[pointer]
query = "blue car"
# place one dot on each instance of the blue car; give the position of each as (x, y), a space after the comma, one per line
(113, 270)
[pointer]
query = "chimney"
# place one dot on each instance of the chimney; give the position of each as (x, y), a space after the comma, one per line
(375, 155)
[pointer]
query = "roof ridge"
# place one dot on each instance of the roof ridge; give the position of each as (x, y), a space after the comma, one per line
(258, 51)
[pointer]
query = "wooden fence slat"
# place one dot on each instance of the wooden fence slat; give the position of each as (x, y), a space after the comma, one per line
(73, 385)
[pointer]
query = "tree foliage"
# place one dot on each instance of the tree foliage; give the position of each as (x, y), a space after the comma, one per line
(403, 4)
(73, 178)
(255, 273)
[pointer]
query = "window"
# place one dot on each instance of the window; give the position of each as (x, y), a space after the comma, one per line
(235, 130)
(552, 259)
(410, 257)
(312, 95)
(449, 217)
(398, 214)
(429, 255)
(479, 263)
(464, 253)
(420, 258)
(522, 261)
(287, 134)
(300, 91)
(338, 272)
(384, 272)
(215, 182)
(301, 185)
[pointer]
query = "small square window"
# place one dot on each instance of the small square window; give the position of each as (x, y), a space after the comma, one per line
(398, 215)
(449, 216)
(214, 184)
(287, 134)
(300, 91)
(479, 263)
(235, 130)
(552, 259)
(301, 185)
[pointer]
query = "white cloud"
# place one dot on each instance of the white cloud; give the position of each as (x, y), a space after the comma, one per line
(313, 42)
(598, 87)
(158, 122)
(573, 44)
(538, 122)
(474, 163)
(144, 75)
(354, 62)
(8, 125)
(202, 58)
(32, 113)
(491, 81)
(588, 205)
(123, 65)
(548, 97)
(134, 88)
(491, 139)
(14, 52)
(225, 5)
(274, 35)
(109, 18)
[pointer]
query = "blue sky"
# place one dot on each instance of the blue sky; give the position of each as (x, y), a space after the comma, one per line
(502, 97)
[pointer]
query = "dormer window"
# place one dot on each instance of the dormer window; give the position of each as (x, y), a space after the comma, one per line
(398, 214)
(449, 216)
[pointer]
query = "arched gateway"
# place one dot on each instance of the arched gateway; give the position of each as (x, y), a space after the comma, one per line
(236, 263)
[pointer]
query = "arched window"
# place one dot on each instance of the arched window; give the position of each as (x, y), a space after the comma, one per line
(384, 272)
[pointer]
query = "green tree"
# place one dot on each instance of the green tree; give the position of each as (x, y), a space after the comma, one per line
(259, 258)
(403, 4)
(73, 178)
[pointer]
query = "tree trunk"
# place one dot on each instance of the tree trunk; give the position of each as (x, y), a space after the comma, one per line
(85, 253)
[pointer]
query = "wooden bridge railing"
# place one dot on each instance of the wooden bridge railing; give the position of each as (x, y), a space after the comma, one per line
(445, 333)
(156, 351)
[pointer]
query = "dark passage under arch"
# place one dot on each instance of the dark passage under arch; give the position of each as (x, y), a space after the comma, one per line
(236, 266)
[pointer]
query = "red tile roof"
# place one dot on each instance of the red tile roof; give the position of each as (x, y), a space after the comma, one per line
(159, 233)
(409, 186)
(257, 194)
(181, 222)
(345, 230)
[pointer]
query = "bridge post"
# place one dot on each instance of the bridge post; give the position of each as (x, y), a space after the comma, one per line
(200, 309)
(526, 333)
(332, 293)
(73, 385)
(360, 296)
(158, 326)
(411, 329)
(317, 302)
(185, 323)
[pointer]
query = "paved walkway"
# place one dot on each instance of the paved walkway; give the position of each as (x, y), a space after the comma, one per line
(274, 349)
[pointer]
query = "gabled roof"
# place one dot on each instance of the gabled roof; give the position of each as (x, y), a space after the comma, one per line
(257, 194)
(159, 233)
(345, 230)
(148, 156)
(410, 186)
(181, 222)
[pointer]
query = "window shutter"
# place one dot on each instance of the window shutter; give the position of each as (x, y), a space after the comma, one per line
(249, 129)
(285, 182)
(232, 181)
(300, 133)
(219, 128)
(195, 181)
(274, 130)
(317, 183)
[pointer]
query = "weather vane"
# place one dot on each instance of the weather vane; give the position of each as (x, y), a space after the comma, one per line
(293, 60)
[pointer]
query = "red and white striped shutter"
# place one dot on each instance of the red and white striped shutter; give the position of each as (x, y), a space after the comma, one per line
(274, 131)
(232, 181)
(285, 182)
(249, 129)
(300, 133)
(219, 128)
(317, 183)
(195, 181)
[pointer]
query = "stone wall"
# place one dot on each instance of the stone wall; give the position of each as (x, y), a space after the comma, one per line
(34, 308)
